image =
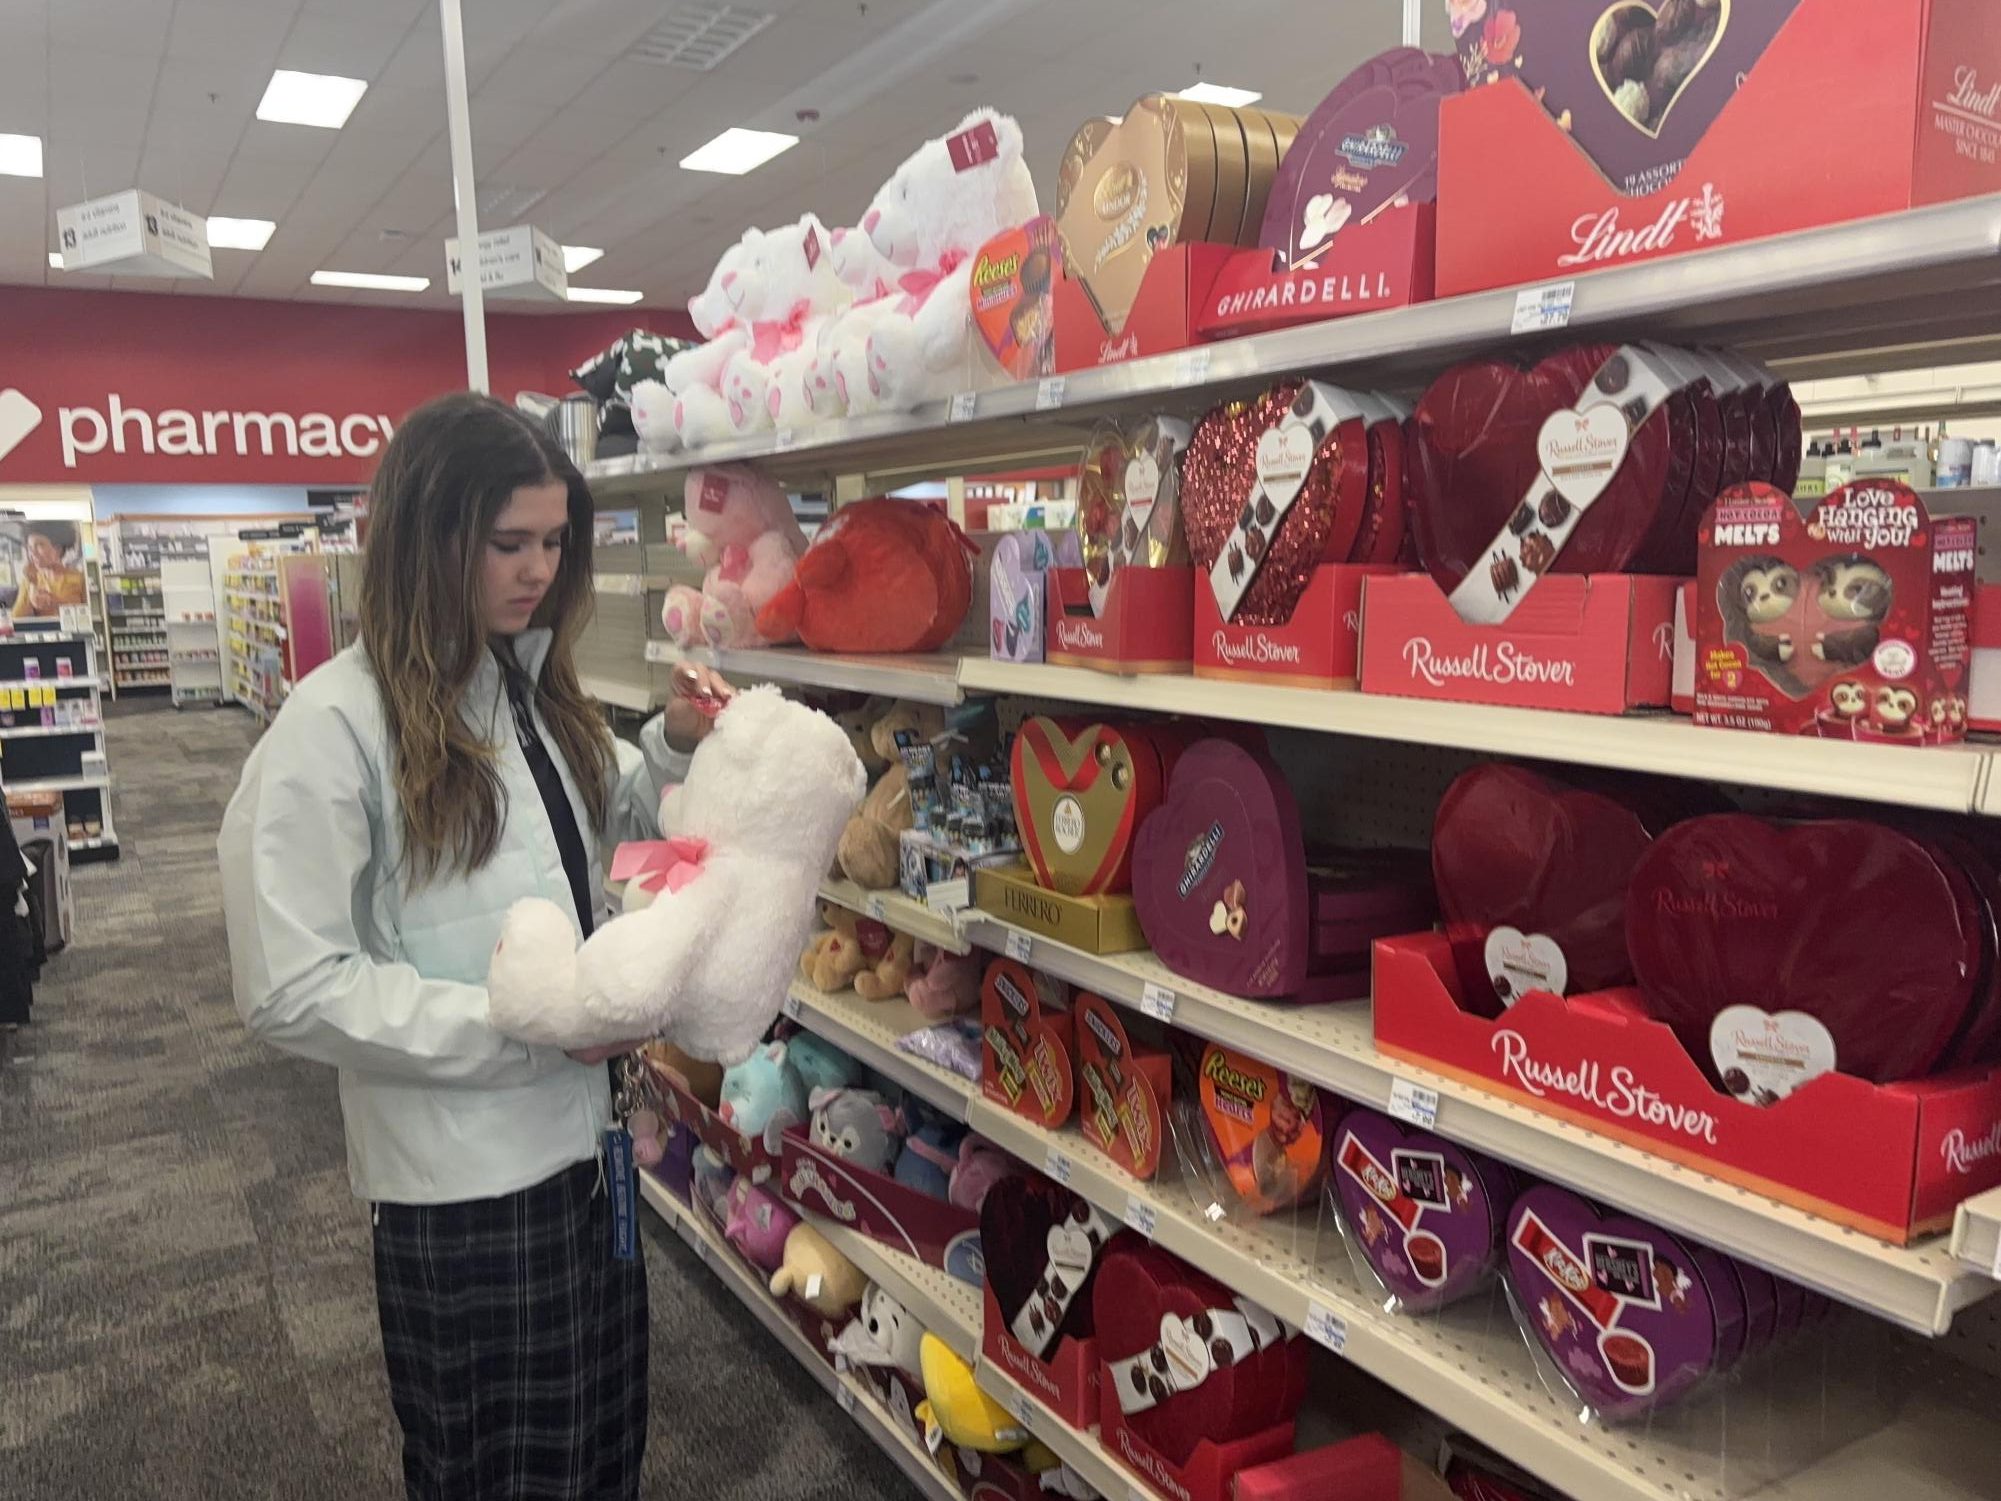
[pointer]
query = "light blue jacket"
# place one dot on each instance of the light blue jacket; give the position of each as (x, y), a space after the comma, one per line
(336, 959)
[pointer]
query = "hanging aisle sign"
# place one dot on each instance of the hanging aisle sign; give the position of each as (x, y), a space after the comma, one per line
(520, 264)
(134, 234)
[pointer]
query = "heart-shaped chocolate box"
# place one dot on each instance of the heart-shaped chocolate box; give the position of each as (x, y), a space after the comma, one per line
(1139, 1288)
(1081, 792)
(1735, 911)
(1428, 1216)
(1267, 1131)
(1622, 1308)
(1018, 1220)
(1636, 84)
(1518, 849)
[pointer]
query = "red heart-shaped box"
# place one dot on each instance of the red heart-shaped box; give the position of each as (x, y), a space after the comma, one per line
(1124, 1088)
(1476, 466)
(1026, 1044)
(1219, 484)
(1016, 1219)
(1732, 910)
(1511, 847)
(1139, 1286)
(1081, 792)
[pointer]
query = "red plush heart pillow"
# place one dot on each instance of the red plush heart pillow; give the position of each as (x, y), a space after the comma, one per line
(882, 576)
(1162, 1324)
(1734, 912)
(1516, 849)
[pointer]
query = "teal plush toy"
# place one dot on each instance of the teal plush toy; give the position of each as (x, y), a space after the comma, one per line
(821, 1065)
(763, 1094)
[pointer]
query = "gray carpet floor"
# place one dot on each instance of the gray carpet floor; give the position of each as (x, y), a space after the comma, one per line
(186, 1302)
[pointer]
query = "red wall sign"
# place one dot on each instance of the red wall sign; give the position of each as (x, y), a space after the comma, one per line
(138, 388)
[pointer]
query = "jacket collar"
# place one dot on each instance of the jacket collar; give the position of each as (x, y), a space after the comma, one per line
(531, 650)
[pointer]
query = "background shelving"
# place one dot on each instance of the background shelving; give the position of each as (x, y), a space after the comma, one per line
(52, 731)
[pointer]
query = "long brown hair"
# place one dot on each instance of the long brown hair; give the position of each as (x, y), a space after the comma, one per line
(448, 473)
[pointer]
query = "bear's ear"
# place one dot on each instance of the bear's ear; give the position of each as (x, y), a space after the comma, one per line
(1008, 130)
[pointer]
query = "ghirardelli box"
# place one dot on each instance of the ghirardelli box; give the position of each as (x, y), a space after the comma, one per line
(1852, 621)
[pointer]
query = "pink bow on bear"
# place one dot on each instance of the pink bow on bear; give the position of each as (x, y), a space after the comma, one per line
(658, 865)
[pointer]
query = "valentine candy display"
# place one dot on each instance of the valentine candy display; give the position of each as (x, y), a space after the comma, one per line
(1227, 896)
(1082, 792)
(1128, 512)
(1013, 281)
(740, 527)
(1019, 590)
(1249, 1133)
(1027, 1035)
(1186, 1361)
(1369, 146)
(1124, 1084)
(1531, 876)
(1426, 1218)
(1745, 939)
(881, 576)
(1171, 171)
(706, 964)
(1636, 85)
(1850, 622)
(1043, 1243)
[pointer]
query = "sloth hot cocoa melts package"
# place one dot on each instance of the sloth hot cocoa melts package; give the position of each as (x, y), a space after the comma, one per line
(1850, 621)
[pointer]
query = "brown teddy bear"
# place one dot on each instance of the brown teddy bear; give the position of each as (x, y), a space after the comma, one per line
(870, 848)
(859, 952)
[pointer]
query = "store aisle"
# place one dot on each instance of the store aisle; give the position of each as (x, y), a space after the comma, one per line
(186, 1305)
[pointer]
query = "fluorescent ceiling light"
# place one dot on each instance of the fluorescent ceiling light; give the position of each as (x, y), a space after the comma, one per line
(369, 281)
(55, 260)
(1216, 93)
(576, 257)
(238, 234)
(322, 99)
(603, 294)
(737, 151)
(20, 156)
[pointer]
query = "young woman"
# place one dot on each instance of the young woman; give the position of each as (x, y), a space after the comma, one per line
(407, 794)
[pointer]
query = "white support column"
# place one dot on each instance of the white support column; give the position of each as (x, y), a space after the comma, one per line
(464, 194)
(1411, 23)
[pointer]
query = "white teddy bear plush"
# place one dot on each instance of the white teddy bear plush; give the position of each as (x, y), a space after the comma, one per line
(841, 361)
(706, 965)
(947, 200)
(783, 290)
(694, 377)
(821, 295)
(653, 417)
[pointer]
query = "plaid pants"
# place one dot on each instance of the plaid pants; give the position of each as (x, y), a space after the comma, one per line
(516, 1345)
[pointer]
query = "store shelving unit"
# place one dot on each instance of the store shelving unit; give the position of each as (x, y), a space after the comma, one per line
(275, 625)
(848, 1391)
(136, 619)
(52, 731)
(193, 648)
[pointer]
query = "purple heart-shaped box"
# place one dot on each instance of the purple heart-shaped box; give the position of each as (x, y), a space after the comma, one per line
(1370, 143)
(1219, 874)
(1426, 1214)
(1017, 588)
(1624, 1309)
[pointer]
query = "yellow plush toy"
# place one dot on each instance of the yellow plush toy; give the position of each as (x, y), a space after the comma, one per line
(954, 1404)
(817, 1275)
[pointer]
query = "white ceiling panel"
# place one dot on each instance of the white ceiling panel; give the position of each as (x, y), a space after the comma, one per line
(193, 179)
(540, 76)
(247, 31)
(135, 27)
(351, 46)
(272, 186)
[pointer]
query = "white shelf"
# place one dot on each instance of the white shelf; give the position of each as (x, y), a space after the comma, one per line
(922, 679)
(870, 1029)
(848, 1391)
(76, 682)
(624, 695)
(631, 585)
(898, 911)
(60, 784)
(41, 731)
(1976, 1233)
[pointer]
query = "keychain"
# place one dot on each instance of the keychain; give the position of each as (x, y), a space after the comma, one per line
(638, 1140)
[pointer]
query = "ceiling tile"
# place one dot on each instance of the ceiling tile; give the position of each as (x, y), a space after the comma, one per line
(246, 31)
(191, 179)
(350, 47)
(549, 76)
(134, 27)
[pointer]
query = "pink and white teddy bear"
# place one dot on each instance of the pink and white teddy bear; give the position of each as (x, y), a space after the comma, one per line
(693, 402)
(842, 355)
(949, 198)
(739, 526)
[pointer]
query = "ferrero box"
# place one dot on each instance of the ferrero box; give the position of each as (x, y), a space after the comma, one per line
(1096, 924)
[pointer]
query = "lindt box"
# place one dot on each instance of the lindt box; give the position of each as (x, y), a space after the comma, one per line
(1524, 199)
(1891, 1160)
(1383, 264)
(1164, 313)
(1318, 648)
(1147, 625)
(1599, 643)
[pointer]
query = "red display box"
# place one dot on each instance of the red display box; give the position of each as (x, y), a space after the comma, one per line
(1520, 201)
(749, 1156)
(1598, 643)
(1681, 696)
(1319, 647)
(1210, 1469)
(1171, 297)
(1148, 625)
(1367, 1467)
(936, 1232)
(996, 1477)
(1892, 1160)
(1983, 678)
(1066, 1384)
(1384, 264)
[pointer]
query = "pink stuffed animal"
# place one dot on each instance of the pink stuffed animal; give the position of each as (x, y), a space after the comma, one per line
(981, 1166)
(945, 984)
(758, 1223)
(740, 526)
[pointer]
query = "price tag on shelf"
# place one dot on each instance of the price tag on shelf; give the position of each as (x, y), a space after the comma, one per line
(1059, 1166)
(1215, 1213)
(949, 898)
(792, 1008)
(1019, 946)
(701, 1245)
(840, 1365)
(1049, 393)
(1157, 1001)
(1141, 1216)
(1137, 1493)
(934, 1438)
(845, 1395)
(1540, 309)
(1325, 1327)
(1996, 1273)
(1191, 367)
(963, 404)
(1414, 1103)
(875, 907)
(783, 439)
(1024, 1410)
